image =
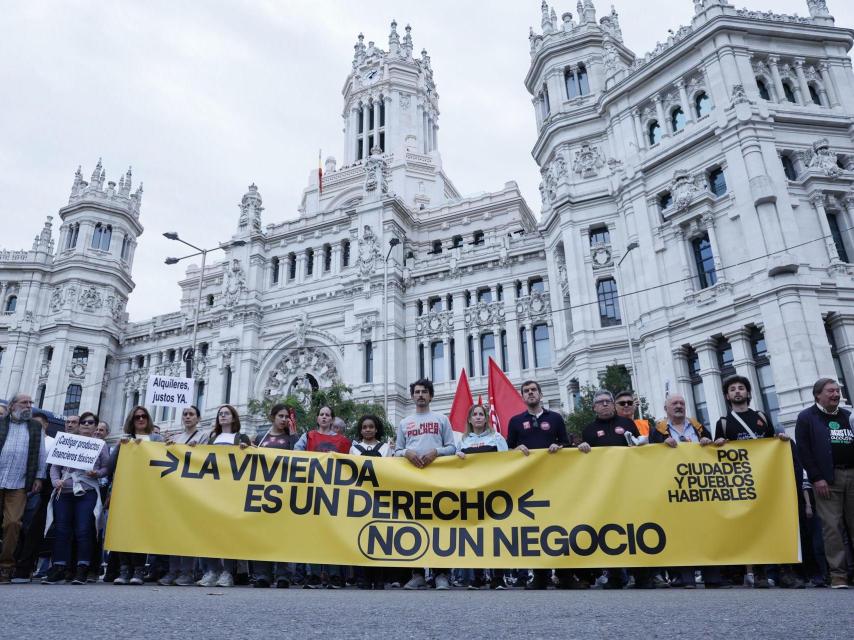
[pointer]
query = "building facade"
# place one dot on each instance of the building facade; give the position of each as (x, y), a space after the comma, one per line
(696, 204)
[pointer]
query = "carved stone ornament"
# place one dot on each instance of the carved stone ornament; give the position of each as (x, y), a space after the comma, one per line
(484, 314)
(376, 179)
(299, 362)
(250, 209)
(684, 188)
(57, 299)
(739, 96)
(821, 158)
(533, 306)
(78, 370)
(404, 101)
(588, 161)
(369, 252)
(90, 300)
(601, 257)
(435, 323)
(235, 282)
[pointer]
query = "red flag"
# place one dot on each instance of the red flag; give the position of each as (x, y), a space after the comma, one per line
(479, 400)
(319, 174)
(461, 404)
(504, 400)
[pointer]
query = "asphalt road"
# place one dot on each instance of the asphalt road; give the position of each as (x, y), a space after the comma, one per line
(92, 612)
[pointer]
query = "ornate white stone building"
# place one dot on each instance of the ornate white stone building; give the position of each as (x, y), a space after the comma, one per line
(697, 201)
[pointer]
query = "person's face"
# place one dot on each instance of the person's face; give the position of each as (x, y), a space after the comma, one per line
(339, 427)
(282, 420)
(625, 406)
(22, 408)
(87, 427)
(478, 419)
(369, 430)
(101, 431)
(531, 395)
(324, 418)
(675, 407)
(140, 421)
(71, 424)
(603, 407)
(421, 396)
(829, 396)
(189, 418)
(226, 420)
(737, 393)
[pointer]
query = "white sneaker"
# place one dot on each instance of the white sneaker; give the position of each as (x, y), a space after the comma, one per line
(442, 582)
(748, 580)
(225, 579)
(209, 579)
(417, 581)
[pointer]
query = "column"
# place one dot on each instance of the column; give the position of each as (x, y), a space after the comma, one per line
(818, 200)
(711, 375)
(827, 81)
(683, 100)
(336, 259)
(478, 354)
(387, 124)
(709, 221)
(460, 347)
(529, 328)
(802, 81)
(775, 76)
(435, 136)
(742, 360)
(687, 259)
(353, 136)
(638, 129)
(366, 122)
(848, 204)
(683, 377)
(300, 267)
(662, 120)
(425, 141)
(446, 354)
(318, 262)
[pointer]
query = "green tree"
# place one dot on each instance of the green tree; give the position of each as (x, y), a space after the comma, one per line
(338, 396)
(615, 379)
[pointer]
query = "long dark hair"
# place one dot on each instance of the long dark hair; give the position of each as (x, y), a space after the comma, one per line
(235, 426)
(130, 425)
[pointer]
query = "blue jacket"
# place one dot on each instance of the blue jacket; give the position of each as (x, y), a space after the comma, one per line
(813, 438)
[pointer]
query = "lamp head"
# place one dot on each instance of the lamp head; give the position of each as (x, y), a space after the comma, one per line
(172, 235)
(171, 260)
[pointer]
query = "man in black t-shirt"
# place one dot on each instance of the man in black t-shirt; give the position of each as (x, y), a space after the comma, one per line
(608, 429)
(539, 428)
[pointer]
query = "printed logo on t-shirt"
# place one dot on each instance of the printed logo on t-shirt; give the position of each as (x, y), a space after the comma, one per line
(526, 424)
(545, 426)
(413, 430)
(601, 434)
(619, 431)
(839, 434)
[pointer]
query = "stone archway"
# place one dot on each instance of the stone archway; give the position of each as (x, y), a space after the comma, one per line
(301, 370)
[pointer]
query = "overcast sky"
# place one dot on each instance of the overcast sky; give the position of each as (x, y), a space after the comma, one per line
(203, 98)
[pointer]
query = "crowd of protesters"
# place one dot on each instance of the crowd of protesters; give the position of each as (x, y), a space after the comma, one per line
(53, 517)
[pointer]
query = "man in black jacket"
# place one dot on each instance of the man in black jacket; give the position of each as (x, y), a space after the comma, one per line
(826, 445)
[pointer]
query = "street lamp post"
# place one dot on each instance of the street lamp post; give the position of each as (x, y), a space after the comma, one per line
(623, 309)
(392, 243)
(190, 357)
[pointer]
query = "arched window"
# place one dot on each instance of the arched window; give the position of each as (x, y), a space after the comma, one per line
(609, 306)
(11, 304)
(814, 95)
(210, 300)
(71, 238)
(327, 258)
(702, 104)
(345, 253)
(789, 92)
(653, 132)
(571, 82)
(477, 238)
(583, 83)
(125, 253)
(523, 347)
(576, 81)
(292, 266)
(677, 119)
(309, 262)
(101, 237)
(437, 247)
(72, 400)
(789, 167)
(763, 89)
(274, 266)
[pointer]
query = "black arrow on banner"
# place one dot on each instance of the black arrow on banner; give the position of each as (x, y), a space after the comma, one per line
(526, 504)
(171, 464)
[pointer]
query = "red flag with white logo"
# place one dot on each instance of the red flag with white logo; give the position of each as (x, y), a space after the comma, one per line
(504, 400)
(461, 404)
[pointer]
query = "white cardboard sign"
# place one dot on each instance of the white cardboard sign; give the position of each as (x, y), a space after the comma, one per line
(165, 391)
(77, 452)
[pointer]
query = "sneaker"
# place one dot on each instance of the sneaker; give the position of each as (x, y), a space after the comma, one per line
(20, 576)
(312, 582)
(417, 581)
(538, 583)
(168, 580)
(335, 582)
(838, 583)
(209, 579)
(283, 583)
(241, 579)
(5, 578)
(261, 583)
(815, 583)
(123, 577)
(442, 583)
(762, 583)
(225, 579)
(56, 575)
(659, 582)
(749, 579)
(184, 580)
(138, 576)
(394, 585)
(81, 575)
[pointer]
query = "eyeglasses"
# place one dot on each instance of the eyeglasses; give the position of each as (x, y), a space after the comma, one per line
(87, 422)
(626, 403)
(224, 413)
(140, 416)
(604, 402)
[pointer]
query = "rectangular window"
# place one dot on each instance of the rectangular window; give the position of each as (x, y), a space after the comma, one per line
(369, 361)
(523, 347)
(837, 361)
(717, 182)
(200, 395)
(360, 149)
(345, 253)
(435, 306)
(725, 359)
(421, 361)
(274, 269)
(292, 267)
(470, 344)
(484, 295)
(80, 355)
(327, 258)
(226, 397)
(704, 260)
(309, 262)
(487, 351)
(542, 354)
(600, 236)
(536, 284)
(453, 356)
(437, 361)
(72, 400)
(609, 304)
(505, 363)
(836, 234)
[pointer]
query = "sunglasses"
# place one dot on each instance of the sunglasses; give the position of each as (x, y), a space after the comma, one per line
(626, 403)
(140, 417)
(87, 422)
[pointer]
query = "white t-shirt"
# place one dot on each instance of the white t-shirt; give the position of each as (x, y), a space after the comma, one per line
(224, 438)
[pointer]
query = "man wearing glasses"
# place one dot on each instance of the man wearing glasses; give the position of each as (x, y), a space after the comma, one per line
(539, 428)
(679, 427)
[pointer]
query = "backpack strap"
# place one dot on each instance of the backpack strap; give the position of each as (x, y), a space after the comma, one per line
(361, 449)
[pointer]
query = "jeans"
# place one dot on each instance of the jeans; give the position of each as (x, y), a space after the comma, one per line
(182, 564)
(73, 516)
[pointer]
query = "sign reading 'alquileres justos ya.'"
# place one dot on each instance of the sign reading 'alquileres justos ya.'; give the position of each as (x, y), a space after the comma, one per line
(613, 507)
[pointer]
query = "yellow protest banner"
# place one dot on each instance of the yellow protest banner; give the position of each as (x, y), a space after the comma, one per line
(612, 507)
